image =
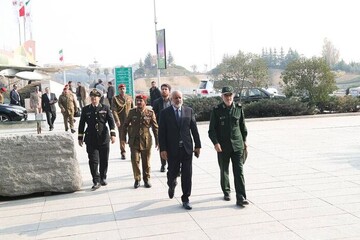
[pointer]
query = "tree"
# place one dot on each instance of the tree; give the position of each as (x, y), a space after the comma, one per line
(89, 72)
(106, 73)
(97, 72)
(242, 69)
(309, 78)
(170, 59)
(147, 61)
(141, 64)
(193, 68)
(330, 53)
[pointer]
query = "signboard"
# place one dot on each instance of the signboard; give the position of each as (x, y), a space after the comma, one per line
(123, 75)
(161, 48)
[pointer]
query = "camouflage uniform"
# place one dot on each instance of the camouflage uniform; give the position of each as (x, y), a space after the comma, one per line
(138, 124)
(67, 105)
(121, 106)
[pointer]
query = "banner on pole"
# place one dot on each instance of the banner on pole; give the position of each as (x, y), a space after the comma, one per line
(161, 49)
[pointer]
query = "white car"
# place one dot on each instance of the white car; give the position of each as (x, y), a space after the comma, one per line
(206, 89)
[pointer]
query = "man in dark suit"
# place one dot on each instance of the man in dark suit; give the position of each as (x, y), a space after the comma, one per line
(160, 104)
(177, 124)
(15, 96)
(48, 101)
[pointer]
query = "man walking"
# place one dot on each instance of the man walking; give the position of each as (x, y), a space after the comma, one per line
(154, 93)
(15, 96)
(97, 137)
(48, 101)
(81, 95)
(177, 124)
(68, 107)
(228, 132)
(121, 105)
(141, 120)
(110, 93)
(160, 104)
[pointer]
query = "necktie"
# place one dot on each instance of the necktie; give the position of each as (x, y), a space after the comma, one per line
(177, 116)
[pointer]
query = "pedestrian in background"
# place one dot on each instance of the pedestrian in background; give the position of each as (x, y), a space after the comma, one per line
(2, 90)
(154, 93)
(97, 137)
(48, 100)
(138, 124)
(110, 93)
(100, 86)
(68, 107)
(160, 104)
(81, 95)
(177, 125)
(227, 131)
(35, 100)
(121, 105)
(15, 96)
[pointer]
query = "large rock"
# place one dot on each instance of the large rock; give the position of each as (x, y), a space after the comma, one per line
(38, 163)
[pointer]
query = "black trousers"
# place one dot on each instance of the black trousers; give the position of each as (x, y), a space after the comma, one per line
(50, 117)
(174, 162)
(98, 155)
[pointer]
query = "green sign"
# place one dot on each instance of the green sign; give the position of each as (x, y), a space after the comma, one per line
(123, 75)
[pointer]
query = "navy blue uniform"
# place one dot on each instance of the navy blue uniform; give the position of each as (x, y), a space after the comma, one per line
(97, 137)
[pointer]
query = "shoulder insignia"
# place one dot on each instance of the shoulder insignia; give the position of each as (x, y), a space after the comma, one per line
(238, 105)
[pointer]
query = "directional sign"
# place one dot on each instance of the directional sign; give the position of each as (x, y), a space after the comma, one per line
(123, 75)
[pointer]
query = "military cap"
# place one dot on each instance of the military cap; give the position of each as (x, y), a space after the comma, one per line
(95, 93)
(3, 89)
(121, 85)
(227, 90)
(141, 96)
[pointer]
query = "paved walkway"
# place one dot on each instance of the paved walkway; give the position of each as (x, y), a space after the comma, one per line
(303, 182)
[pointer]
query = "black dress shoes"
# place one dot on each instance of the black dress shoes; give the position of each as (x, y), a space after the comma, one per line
(147, 184)
(95, 186)
(227, 197)
(136, 184)
(123, 157)
(187, 205)
(162, 169)
(103, 182)
(171, 192)
(73, 130)
(242, 202)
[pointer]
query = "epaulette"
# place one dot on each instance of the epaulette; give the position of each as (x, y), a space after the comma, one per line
(238, 104)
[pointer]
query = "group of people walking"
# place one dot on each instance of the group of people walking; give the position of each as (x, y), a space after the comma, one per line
(176, 137)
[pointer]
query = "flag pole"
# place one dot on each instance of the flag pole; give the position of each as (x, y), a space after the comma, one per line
(157, 57)
(24, 29)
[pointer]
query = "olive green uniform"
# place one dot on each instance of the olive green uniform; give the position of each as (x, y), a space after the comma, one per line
(138, 124)
(121, 106)
(227, 127)
(67, 105)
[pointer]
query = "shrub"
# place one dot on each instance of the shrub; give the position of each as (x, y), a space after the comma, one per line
(202, 106)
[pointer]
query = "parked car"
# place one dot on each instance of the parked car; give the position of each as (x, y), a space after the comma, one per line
(206, 89)
(10, 112)
(255, 94)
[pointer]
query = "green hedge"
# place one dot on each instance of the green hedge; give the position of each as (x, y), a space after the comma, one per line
(275, 108)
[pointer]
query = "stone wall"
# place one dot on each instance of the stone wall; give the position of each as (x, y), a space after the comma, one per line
(31, 163)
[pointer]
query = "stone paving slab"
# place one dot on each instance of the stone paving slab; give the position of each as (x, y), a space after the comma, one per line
(302, 178)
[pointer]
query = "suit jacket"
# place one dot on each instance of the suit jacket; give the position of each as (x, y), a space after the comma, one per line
(14, 97)
(170, 134)
(48, 105)
(158, 105)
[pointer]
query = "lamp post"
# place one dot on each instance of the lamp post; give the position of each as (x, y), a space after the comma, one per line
(157, 57)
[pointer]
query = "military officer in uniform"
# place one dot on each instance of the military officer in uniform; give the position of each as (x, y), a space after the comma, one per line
(68, 107)
(121, 105)
(138, 124)
(97, 137)
(228, 132)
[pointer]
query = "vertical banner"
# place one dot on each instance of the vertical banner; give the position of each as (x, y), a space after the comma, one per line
(161, 48)
(123, 75)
